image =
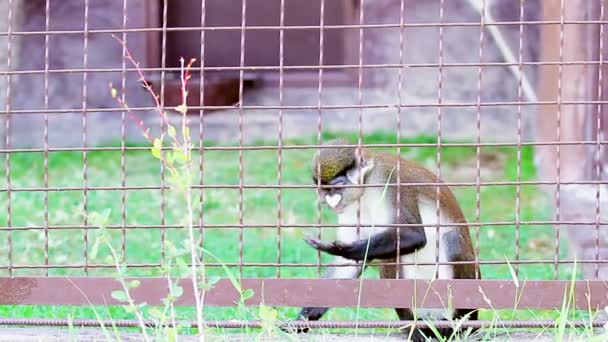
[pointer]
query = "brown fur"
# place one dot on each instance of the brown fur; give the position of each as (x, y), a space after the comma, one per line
(412, 173)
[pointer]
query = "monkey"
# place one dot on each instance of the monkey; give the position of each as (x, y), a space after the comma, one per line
(336, 167)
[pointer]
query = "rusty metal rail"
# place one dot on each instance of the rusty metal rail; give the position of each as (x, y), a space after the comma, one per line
(376, 293)
(235, 324)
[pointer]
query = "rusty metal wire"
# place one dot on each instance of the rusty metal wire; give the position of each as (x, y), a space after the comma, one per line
(357, 72)
(155, 266)
(123, 137)
(163, 75)
(308, 27)
(304, 67)
(7, 133)
(598, 135)
(327, 107)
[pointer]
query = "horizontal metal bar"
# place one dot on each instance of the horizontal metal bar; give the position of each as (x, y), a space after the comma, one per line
(293, 186)
(444, 104)
(299, 225)
(303, 146)
(302, 27)
(235, 324)
(370, 293)
(309, 265)
(301, 67)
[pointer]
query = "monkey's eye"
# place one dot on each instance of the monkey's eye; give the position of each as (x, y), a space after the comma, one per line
(341, 180)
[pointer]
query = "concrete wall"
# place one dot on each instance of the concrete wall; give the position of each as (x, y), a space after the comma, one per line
(420, 85)
(15, 14)
(65, 90)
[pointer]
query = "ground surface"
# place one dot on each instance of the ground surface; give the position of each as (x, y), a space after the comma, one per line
(49, 335)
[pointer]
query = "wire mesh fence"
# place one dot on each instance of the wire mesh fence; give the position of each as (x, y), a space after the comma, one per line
(504, 102)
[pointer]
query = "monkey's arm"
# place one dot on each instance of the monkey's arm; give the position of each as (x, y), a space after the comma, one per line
(381, 246)
(343, 268)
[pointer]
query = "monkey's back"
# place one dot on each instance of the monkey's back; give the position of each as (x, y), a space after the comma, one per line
(418, 183)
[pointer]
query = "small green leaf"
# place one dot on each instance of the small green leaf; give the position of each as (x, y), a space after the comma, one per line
(119, 295)
(247, 294)
(95, 249)
(181, 156)
(157, 146)
(114, 93)
(170, 157)
(156, 314)
(155, 152)
(182, 267)
(170, 247)
(213, 280)
(208, 285)
(133, 284)
(171, 131)
(130, 308)
(182, 108)
(177, 290)
(267, 313)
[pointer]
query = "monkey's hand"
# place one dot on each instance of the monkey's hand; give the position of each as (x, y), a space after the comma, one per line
(334, 248)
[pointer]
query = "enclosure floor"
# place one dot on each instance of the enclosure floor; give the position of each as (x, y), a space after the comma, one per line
(53, 334)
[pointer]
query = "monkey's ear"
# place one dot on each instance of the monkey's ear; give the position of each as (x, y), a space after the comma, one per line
(364, 165)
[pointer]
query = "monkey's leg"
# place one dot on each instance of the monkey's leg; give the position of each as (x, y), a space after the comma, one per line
(382, 245)
(344, 269)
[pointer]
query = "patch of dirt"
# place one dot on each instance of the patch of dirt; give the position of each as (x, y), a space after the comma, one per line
(50, 334)
(491, 167)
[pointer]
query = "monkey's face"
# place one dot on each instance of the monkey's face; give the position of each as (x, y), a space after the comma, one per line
(343, 190)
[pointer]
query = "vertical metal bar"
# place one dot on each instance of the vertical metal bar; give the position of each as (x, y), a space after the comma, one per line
(559, 139)
(320, 122)
(360, 101)
(7, 132)
(598, 136)
(201, 257)
(85, 202)
(123, 161)
(439, 115)
(47, 18)
(478, 127)
(360, 135)
(241, 169)
(202, 133)
(163, 75)
(399, 112)
(519, 136)
(280, 144)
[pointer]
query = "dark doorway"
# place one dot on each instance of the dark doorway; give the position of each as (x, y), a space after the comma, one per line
(223, 47)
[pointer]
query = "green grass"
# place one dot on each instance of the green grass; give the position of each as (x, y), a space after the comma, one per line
(260, 206)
